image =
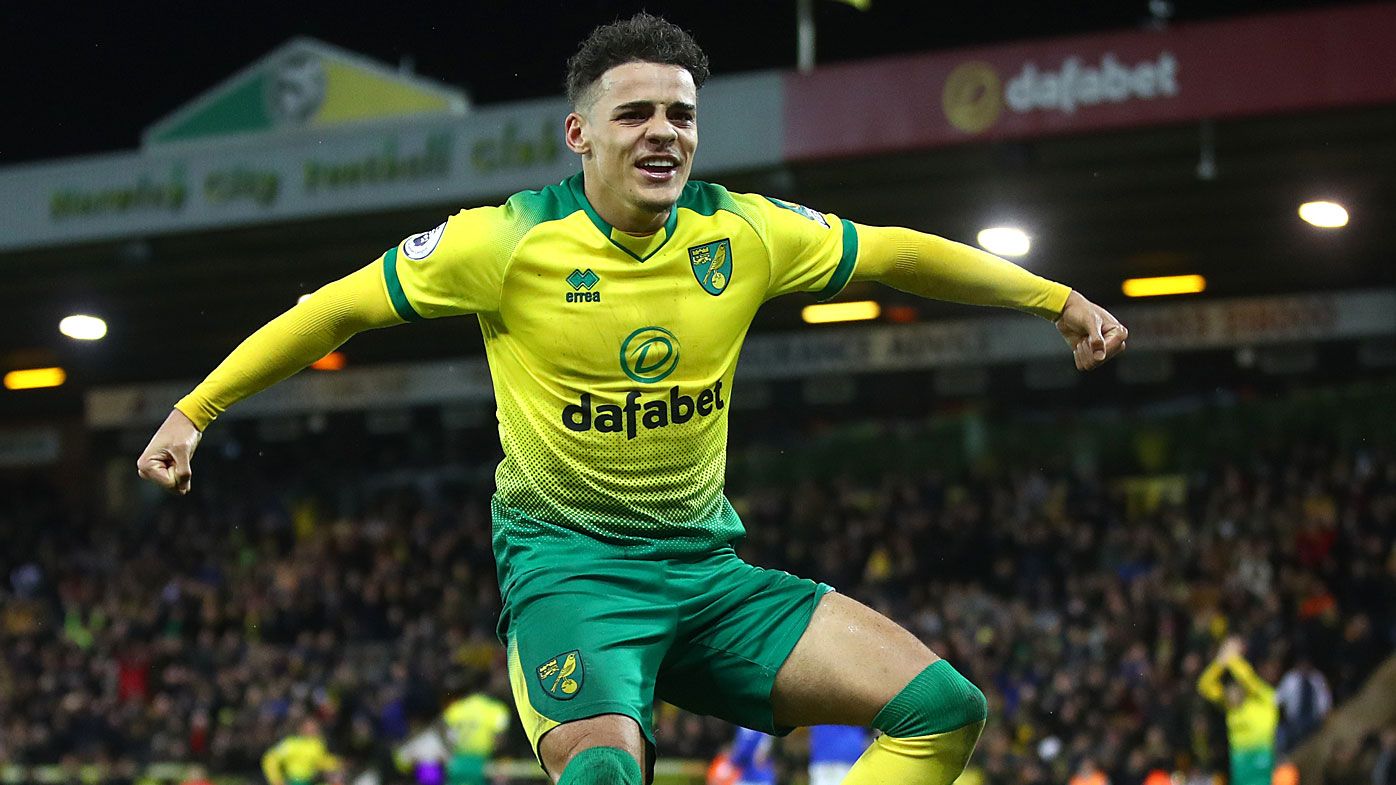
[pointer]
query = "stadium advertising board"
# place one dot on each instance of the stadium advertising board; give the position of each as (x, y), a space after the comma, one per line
(1172, 327)
(488, 154)
(1277, 63)
(804, 353)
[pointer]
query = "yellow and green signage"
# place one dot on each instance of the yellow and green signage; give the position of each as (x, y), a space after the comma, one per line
(307, 84)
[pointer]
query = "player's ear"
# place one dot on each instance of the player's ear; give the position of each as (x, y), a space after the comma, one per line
(574, 132)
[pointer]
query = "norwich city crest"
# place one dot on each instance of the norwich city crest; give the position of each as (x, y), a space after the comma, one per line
(562, 676)
(712, 265)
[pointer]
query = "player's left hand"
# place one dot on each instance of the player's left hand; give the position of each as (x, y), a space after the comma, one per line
(1232, 647)
(1094, 335)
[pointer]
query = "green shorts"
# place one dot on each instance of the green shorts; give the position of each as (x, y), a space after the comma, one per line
(593, 629)
(465, 769)
(1252, 767)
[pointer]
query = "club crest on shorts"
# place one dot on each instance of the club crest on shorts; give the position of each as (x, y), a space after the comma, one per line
(712, 265)
(562, 676)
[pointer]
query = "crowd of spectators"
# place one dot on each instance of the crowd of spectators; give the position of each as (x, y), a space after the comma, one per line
(1084, 603)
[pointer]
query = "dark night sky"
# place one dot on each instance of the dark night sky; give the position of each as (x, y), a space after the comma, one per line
(85, 81)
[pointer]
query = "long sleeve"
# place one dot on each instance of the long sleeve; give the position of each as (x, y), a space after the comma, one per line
(941, 269)
(1209, 683)
(293, 340)
(271, 765)
(1247, 677)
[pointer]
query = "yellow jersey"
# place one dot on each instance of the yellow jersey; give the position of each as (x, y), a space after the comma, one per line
(1251, 725)
(475, 722)
(299, 759)
(612, 355)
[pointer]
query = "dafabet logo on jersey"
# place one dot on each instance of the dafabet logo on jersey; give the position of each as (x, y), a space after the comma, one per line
(562, 676)
(648, 355)
(712, 265)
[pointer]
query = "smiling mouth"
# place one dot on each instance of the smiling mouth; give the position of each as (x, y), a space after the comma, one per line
(658, 168)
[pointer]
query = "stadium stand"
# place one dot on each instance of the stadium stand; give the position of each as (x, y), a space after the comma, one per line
(308, 577)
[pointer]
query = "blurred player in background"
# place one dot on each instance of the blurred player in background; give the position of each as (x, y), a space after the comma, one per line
(833, 749)
(753, 756)
(1251, 713)
(423, 756)
(473, 725)
(721, 770)
(614, 306)
(301, 759)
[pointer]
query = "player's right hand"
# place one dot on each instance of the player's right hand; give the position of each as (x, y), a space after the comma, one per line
(166, 460)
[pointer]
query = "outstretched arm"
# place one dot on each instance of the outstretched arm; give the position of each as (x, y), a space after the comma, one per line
(285, 345)
(941, 269)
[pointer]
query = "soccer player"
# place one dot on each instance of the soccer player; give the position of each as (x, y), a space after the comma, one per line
(1252, 713)
(299, 759)
(613, 307)
(473, 725)
(753, 756)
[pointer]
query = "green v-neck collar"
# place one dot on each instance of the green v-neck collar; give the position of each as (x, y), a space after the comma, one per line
(638, 248)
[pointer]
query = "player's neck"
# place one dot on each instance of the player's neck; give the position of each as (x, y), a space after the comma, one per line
(612, 208)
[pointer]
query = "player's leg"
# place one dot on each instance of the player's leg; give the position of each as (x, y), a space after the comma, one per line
(586, 710)
(583, 653)
(609, 749)
(770, 651)
(853, 666)
(587, 732)
(585, 639)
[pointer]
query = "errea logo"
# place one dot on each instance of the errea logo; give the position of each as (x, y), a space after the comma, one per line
(582, 283)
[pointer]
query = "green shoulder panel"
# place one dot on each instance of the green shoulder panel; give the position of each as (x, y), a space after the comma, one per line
(526, 210)
(493, 232)
(708, 198)
(552, 203)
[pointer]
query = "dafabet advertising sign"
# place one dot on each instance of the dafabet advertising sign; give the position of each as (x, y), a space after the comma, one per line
(1259, 65)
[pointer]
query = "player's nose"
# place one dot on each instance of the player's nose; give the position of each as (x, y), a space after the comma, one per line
(661, 130)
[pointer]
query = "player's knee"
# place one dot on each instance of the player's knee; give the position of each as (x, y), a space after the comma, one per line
(602, 766)
(935, 719)
(938, 700)
(609, 744)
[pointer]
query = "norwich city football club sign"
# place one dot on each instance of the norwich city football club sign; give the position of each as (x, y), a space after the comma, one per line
(311, 130)
(307, 84)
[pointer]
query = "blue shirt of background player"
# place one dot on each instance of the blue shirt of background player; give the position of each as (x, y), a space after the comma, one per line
(837, 743)
(751, 754)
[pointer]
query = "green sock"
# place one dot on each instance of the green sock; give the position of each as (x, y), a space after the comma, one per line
(939, 699)
(602, 766)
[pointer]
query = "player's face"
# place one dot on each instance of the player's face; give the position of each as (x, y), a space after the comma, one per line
(1235, 695)
(637, 137)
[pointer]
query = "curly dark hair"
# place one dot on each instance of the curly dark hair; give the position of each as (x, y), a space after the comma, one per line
(643, 38)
